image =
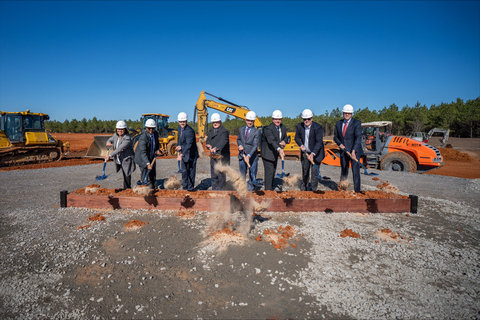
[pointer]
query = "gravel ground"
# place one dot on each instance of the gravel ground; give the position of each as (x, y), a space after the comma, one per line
(169, 269)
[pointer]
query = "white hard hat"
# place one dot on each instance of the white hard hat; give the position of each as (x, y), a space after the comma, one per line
(277, 114)
(215, 117)
(182, 116)
(121, 125)
(307, 113)
(251, 116)
(347, 108)
(150, 123)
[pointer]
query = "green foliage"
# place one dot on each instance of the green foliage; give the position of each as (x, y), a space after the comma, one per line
(462, 118)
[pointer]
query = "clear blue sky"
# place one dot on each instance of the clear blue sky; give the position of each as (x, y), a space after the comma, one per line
(116, 60)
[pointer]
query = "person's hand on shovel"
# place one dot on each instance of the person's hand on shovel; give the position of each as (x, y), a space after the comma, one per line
(310, 157)
(281, 152)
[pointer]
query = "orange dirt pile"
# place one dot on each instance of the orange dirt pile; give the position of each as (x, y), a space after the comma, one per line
(97, 217)
(227, 231)
(257, 195)
(349, 233)
(387, 234)
(189, 214)
(94, 186)
(278, 238)
(454, 155)
(386, 187)
(133, 225)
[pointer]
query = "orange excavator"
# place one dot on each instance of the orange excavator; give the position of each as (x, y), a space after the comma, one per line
(385, 151)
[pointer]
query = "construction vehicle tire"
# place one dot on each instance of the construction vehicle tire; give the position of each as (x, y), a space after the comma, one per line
(171, 146)
(398, 161)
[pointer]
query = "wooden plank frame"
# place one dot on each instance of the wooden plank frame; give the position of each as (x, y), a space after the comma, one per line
(234, 204)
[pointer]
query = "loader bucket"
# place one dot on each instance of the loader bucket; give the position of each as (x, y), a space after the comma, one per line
(98, 148)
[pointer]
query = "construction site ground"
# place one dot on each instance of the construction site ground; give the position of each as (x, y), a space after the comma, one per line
(78, 263)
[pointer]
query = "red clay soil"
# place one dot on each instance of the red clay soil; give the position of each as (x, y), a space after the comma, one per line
(134, 224)
(257, 195)
(279, 237)
(349, 233)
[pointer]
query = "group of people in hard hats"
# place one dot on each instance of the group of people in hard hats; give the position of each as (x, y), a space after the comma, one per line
(308, 135)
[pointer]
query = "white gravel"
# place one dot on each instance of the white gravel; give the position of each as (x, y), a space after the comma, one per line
(433, 273)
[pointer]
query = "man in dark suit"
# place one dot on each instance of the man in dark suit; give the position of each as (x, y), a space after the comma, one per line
(218, 143)
(348, 136)
(309, 136)
(274, 139)
(187, 151)
(147, 148)
(247, 141)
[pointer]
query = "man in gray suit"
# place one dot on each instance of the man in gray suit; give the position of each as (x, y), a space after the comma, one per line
(218, 143)
(247, 140)
(148, 147)
(274, 139)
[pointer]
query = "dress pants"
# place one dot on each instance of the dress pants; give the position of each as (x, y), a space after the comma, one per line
(127, 180)
(306, 166)
(188, 175)
(152, 176)
(345, 161)
(252, 174)
(218, 179)
(270, 170)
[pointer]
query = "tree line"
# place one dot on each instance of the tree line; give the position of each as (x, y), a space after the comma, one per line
(462, 118)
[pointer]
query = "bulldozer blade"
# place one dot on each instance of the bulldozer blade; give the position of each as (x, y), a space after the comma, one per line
(98, 148)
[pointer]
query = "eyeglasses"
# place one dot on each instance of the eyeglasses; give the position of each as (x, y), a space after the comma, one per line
(148, 128)
(305, 119)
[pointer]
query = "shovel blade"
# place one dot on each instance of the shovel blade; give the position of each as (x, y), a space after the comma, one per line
(102, 177)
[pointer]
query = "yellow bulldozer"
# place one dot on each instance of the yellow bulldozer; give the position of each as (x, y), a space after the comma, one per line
(23, 139)
(167, 137)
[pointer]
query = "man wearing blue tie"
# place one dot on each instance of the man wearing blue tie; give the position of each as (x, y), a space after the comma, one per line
(247, 140)
(309, 136)
(348, 136)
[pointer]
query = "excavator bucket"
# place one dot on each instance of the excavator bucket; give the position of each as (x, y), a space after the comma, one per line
(98, 148)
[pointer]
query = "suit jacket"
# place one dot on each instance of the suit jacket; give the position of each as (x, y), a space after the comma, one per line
(188, 142)
(124, 151)
(353, 136)
(250, 144)
(143, 153)
(315, 139)
(219, 140)
(271, 141)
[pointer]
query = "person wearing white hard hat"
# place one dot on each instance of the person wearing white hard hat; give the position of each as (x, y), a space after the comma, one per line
(148, 148)
(274, 140)
(218, 143)
(247, 140)
(187, 151)
(309, 136)
(122, 153)
(348, 136)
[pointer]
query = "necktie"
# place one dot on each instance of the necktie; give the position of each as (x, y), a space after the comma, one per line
(246, 133)
(280, 133)
(307, 134)
(153, 145)
(345, 127)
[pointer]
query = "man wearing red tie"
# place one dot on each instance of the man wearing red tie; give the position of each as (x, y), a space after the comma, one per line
(348, 136)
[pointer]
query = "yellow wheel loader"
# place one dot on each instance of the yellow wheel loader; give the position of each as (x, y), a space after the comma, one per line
(167, 137)
(23, 139)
